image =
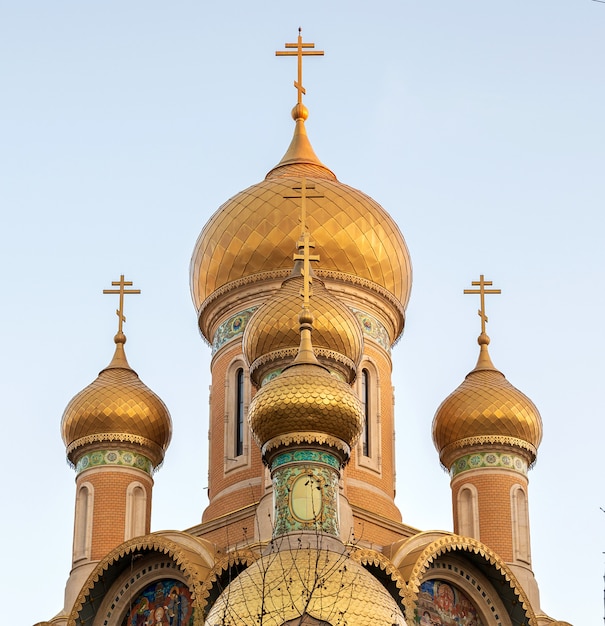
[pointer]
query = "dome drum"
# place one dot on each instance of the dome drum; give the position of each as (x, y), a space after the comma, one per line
(223, 303)
(486, 444)
(279, 444)
(100, 443)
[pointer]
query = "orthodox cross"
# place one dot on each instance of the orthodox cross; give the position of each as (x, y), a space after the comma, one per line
(305, 240)
(482, 284)
(301, 50)
(121, 284)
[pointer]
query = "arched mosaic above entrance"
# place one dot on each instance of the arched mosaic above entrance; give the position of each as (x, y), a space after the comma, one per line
(162, 603)
(443, 604)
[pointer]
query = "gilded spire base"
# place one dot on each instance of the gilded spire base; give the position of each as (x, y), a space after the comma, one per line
(119, 360)
(484, 361)
(306, 353)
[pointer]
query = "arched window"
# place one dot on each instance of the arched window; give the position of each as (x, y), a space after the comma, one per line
(236, 450)
(239, 412)
(136, 511)
(520, 523)
(365, 400)
(83, 523)
(468, 512)
(368, 451)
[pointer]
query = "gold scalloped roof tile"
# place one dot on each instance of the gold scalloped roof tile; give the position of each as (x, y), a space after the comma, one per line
(354, 233)
(278, 585)
(484, 405)
(305, 398)
(275, 325)
(117, 402)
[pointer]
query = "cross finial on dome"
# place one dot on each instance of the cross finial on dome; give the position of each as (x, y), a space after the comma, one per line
(301, 50)
(482, 284)
(304, 243)
(122, 284)
(484, 361)
(306, 353)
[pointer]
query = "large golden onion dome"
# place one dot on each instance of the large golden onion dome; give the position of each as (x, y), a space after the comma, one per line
(271, 338)
(318, 585)
(117, 408)
(486, 410)
(251, 236)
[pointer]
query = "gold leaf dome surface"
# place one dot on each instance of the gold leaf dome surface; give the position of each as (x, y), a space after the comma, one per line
(252, 235)
(284, 585)
(305, 398)
(486, 409)
(117, 407)
(256, 231)
(272, 330)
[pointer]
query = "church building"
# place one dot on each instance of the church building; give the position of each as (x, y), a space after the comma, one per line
(301, 284)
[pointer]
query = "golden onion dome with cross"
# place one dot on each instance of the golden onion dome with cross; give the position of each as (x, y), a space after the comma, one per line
(250, 238)
(305, 402)
(271, 338)
(486, 409)
(117, 409)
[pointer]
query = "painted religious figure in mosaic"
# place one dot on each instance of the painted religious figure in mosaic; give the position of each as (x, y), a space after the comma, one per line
(443, 604)
(163, 603)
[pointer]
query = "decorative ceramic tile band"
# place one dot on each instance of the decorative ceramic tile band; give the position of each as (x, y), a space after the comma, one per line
(124, 458)
(373, 329)
(306, 455)
(275, 373)
(231, 328)
(488, 459)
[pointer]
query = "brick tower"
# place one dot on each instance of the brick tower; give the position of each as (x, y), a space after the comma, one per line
(241, 258)
(487, 433)
(116, 432)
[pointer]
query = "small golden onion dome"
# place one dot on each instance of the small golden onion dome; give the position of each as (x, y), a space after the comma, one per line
(283, 586)
(305, 398)
(271, 338)
(117, 408)
(486, 410)
(251, 236)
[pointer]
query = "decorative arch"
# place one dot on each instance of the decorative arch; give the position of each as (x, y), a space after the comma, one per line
(514, 598)
(192, 567)
(384, 570)
(224, 571)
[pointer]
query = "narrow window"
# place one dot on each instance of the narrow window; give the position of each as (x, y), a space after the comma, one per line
(520, 515)
(83, 523)
(467, 513)
(239, 412)
(365, 400)
(136, 511)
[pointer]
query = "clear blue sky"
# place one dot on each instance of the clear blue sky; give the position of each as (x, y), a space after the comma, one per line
(478, 125)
